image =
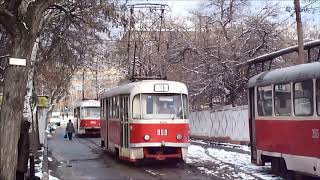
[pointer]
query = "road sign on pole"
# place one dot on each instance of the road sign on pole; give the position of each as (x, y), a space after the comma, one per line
(17, 61)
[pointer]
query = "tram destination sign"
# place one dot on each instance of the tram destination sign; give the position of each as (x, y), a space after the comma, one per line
(161, 87)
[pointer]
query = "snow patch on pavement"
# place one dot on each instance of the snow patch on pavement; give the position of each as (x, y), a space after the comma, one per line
(38, 170)
(154, 173)
(41, 175)
(235, 146)
(207, 171)
(197, 154)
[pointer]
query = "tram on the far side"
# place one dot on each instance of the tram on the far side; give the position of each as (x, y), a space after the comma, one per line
(87, 117)
(284, 119)
(146, 120)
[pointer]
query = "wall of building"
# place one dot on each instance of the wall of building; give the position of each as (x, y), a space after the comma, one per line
(224, 124)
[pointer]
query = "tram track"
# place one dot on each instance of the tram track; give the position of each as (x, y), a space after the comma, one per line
(163, 170)
(160, 170)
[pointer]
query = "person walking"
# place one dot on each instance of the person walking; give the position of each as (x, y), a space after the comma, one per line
(23, 150)
(70, 129)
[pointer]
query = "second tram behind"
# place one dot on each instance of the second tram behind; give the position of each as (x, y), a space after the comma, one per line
(87, 117)
(284, 119)
(146, 120)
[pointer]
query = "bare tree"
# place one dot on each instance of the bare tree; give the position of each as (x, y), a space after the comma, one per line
(20, 19)
(220, 40)
(26, 22)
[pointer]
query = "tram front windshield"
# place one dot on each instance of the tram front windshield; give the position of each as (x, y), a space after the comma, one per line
(90, 112)
(160, 106)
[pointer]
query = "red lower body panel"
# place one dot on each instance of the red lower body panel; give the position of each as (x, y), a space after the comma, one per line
(90, 123)
(294, 137)
(159, 133)
(114, 131)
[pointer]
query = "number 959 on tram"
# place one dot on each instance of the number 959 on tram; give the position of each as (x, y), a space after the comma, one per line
(146, 120)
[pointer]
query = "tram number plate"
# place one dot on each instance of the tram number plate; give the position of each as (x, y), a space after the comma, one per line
(315, 134)
(162, 132)
(93, 122)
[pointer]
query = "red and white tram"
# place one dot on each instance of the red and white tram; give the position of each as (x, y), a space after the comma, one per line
(87, 117)
(146, 120)
(284, 119)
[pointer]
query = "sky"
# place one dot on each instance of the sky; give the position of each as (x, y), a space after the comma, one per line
(310, 8)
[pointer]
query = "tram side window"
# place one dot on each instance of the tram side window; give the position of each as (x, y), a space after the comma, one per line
(185, 106)
(149, 105)
(282, 100)
(106, 108)
(318, 96)
(264, 101)
(110, 107)
(114, 107)
(101, 108)
(303, 98)
(136, 107)
(117, 107)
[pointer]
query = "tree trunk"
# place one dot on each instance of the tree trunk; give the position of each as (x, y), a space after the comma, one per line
(37, 129)
(34, 139)
(15, 81)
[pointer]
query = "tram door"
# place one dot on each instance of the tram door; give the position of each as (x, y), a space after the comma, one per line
(106, 120)
(77, 118)
(252, 125)
(124, 109)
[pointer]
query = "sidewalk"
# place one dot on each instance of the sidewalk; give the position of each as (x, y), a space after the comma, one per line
(41, 168)
(75, 160)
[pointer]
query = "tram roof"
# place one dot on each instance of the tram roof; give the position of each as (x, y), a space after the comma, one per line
(88, 103)
(146, 86)
(288, 74)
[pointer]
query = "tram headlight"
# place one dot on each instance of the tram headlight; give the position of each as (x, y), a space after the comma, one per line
(146, 137)
(179, 136)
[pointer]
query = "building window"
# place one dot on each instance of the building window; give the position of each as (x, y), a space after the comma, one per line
(282, 100)
(303, 98)
(264, 101)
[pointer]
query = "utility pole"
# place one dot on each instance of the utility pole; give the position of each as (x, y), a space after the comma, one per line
(83, 85)
(299, 32)
(97, 85)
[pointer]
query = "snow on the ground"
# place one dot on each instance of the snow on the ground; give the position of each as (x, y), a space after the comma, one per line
(235, 146)
(154, 173)
(40, 175)
(197, 154)
(38, 169)
(243, 161)
(232, 165)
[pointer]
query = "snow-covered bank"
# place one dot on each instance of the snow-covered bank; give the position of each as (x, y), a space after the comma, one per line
(227, 164)
(39, 171)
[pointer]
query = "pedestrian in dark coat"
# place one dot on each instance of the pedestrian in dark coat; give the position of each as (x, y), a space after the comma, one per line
(23, 150)
(70, 129)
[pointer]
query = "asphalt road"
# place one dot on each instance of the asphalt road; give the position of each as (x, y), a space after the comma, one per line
(83, 159)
